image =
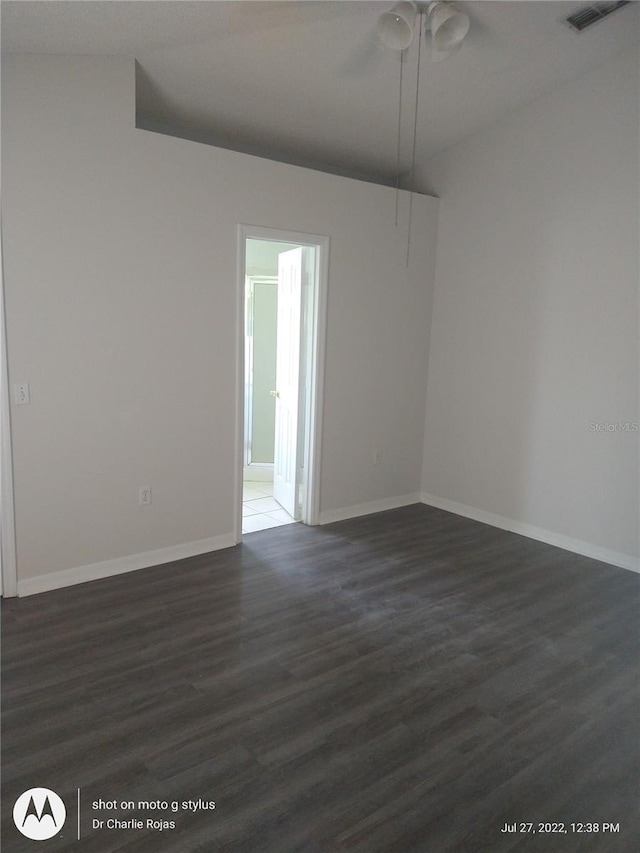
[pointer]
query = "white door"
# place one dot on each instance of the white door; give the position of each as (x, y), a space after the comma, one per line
(286, 453)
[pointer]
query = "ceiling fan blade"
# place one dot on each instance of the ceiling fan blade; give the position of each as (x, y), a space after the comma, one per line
(256, 15)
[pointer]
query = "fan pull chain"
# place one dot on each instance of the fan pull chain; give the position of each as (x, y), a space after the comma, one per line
(399, 132)
(415, 133)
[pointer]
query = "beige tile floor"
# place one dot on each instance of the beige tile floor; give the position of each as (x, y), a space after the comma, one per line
(260, 510)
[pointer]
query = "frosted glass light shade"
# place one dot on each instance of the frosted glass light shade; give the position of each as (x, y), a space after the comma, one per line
(396, 27)
(448, 26)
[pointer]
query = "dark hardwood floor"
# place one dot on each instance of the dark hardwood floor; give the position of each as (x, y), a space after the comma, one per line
(408, 681)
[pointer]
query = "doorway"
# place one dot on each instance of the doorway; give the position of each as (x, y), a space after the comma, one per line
(282, 311)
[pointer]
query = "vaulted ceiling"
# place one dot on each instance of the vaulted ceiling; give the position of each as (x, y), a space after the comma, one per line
(309, 83)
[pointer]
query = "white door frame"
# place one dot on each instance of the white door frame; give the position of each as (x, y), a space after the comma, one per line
(312, 450)
(7, 517)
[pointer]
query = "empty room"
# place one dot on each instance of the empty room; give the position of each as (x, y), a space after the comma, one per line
(320, 418)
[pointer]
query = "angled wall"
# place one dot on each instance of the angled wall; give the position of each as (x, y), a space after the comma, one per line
(121, 295)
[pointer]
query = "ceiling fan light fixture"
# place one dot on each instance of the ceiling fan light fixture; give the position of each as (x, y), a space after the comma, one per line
(448, 26)
(396, 27)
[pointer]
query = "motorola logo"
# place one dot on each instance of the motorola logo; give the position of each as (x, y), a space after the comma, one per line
(39, 813)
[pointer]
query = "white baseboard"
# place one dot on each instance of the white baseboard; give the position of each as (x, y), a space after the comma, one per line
(578, 546)
(331, 515)
(121, 565)
(108, 568)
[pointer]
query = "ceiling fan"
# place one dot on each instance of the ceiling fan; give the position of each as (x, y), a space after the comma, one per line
(445, 28)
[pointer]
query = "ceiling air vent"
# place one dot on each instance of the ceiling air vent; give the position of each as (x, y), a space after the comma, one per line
(589, 15)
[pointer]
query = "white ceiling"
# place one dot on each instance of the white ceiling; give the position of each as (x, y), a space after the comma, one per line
(307, 82)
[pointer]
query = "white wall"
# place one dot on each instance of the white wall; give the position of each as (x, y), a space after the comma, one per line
(535, 318)
(121, 294)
